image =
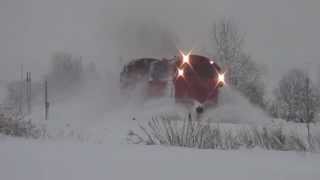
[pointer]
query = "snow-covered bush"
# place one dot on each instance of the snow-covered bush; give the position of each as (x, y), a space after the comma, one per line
(15, 125)
(195, 134)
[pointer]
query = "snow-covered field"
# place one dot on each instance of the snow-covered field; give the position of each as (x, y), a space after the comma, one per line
(46, 160)
(90, 143)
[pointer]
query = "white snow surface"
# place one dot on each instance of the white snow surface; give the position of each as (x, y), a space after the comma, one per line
(87, 140)
(45, 160)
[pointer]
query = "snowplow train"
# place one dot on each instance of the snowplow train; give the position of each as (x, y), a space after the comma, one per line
(192, 80)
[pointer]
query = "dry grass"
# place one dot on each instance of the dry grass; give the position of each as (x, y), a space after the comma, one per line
(194, 134)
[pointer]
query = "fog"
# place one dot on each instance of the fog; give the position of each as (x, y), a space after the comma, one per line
(279, 33)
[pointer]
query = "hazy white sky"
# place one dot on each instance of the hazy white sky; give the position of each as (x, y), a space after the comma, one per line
(279, 33)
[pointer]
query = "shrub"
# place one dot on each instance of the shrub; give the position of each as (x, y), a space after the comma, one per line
(15, 125)
(195, 134)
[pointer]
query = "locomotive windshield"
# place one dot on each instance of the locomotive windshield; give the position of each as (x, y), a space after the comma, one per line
(201, 65)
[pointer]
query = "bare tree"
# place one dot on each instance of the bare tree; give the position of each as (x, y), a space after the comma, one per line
(66, 68)
(228, 41)
(248, 80)
(22, 100)
(67, 74)
(297, 98)
(242, 73)
(14, 96)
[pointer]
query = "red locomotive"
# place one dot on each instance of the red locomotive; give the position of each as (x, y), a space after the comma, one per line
(191, 79)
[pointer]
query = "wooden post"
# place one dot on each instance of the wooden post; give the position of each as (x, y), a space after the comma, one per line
(46, 100)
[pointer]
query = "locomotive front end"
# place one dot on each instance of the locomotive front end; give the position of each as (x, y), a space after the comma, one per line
(197, 81)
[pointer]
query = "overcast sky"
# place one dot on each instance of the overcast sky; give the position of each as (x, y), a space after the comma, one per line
(279, 33)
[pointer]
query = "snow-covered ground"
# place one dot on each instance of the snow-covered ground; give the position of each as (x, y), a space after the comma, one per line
(46, 160)
(88, 141)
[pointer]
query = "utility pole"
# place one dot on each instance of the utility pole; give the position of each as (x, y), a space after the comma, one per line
(28, 91)
(47, 104)
(21, 91)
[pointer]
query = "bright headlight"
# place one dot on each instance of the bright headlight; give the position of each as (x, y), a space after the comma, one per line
(185, 58)
(221, 79)
(180, 72)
